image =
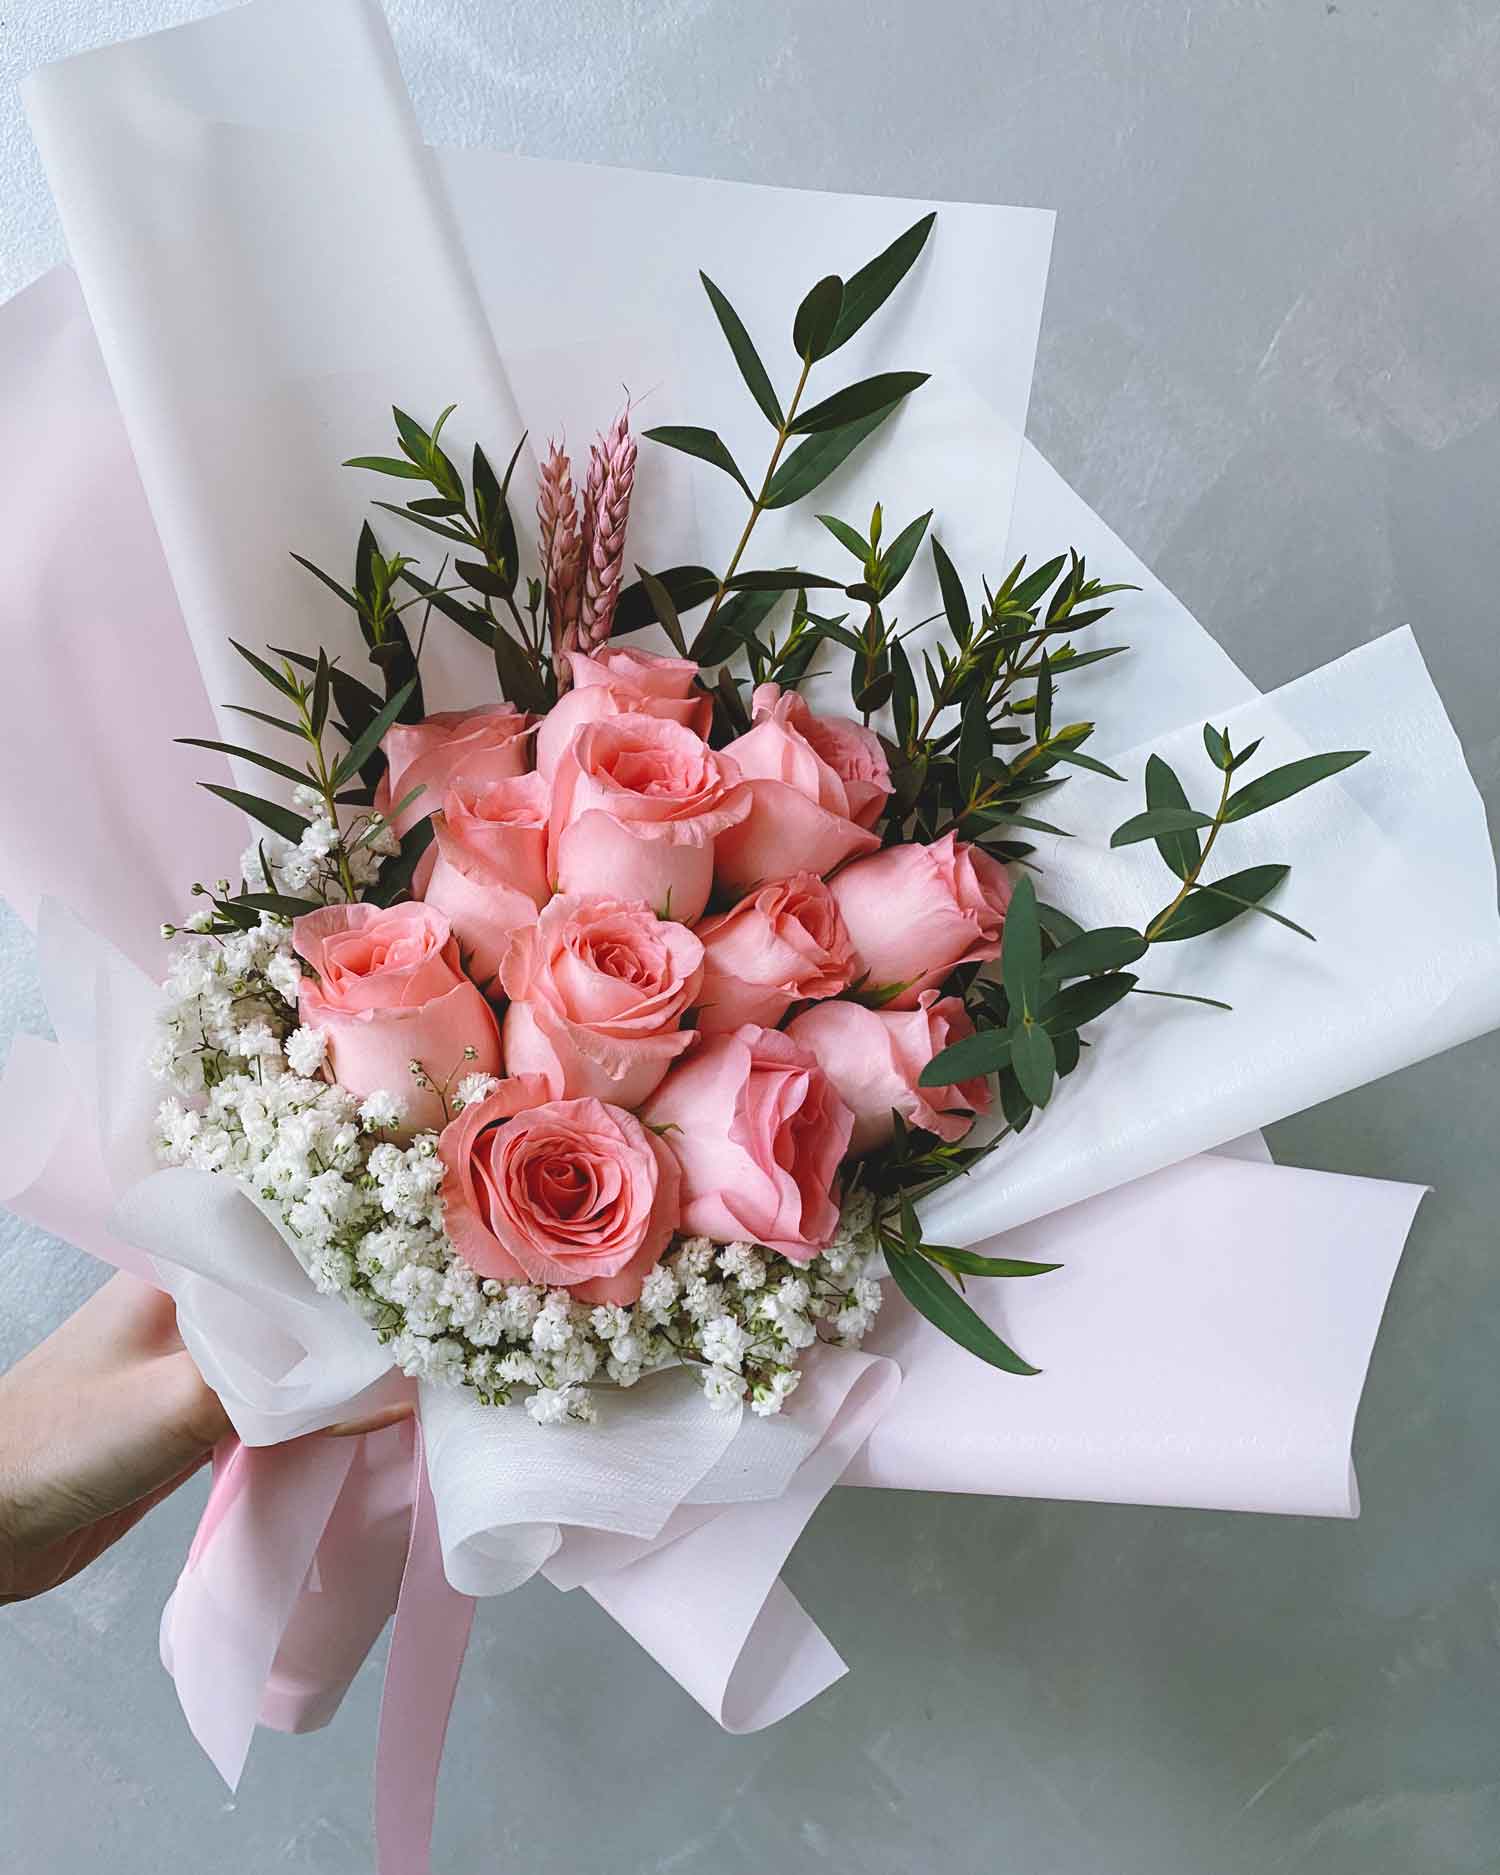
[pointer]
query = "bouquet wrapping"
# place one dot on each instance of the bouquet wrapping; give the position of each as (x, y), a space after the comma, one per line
(266, 253)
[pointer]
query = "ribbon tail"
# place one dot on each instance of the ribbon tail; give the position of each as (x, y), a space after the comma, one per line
(428, 1643)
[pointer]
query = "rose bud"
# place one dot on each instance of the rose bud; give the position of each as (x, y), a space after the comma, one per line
(490, 869)
(875, 1057)
(915, 913)
(389, 991)
(758, 1130)
(817, 784)
(616, 681)
(573, 1194)
(781, 945)
(637, 805)
(598, 991)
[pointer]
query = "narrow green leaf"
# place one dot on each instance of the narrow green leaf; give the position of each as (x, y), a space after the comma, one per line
(515, 674)
(869, 289)
(1057, 924)
(284, 769)
(782, 579)
(1021, 951)
(898, 557)
(1181, 996)
(1033, 1060)
(967, 1059)
(272, 676)
(971, 1263)
(955, 604)
(846, 536)
(1042, 705)
(370, 738)
(1111, 947)
(858, 400)
(485, 579)
(663, 608)
(282, 820)
(272, 722)
(1085, 1001)
(1218, 748)
(1157, 821)
(1179, 850)
(1280, 784)
(734, 626)
(278, 903)
(817, 316)
(1079, 759)
(934, 1297)
(754, 373)
(815, 459)
(687, 586)
(388, 465)
(332, 584)
(706, 445)
(425, 521)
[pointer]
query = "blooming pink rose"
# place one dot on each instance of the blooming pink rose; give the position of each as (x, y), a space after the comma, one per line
(915, 913)
(570, 1193)
(615, 680)
(389, 991)
(490, 864)
(817, 784)
(875, 1056)
(434, 752)
(780, 945)
(637, 805)
(598, 991)
(759, 1130)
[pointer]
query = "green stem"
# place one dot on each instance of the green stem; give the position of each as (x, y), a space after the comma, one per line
(758, 505)
(1160, 921)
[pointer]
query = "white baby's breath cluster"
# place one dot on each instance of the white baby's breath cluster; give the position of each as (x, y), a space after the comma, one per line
(362, 1210)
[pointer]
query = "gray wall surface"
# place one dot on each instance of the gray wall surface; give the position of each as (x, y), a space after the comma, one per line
(1271, 359)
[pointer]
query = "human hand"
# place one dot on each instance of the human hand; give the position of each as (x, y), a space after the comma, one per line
(98, 1424)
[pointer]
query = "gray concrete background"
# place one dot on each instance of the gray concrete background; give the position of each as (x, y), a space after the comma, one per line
(1270, 359)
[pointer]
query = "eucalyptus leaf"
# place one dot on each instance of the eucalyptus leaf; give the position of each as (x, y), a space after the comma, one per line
(1021, 951)
(816, 457)
(1156, 821)
(369, 739)
(687, 587)
(1111, 947)
(934, 1297)
(858, 400)
(1280, 784)
(1179, 850)
(867, 291)
(967, 1059)
(817, 317)
(955, 604)
(1033, 1060)
(746, 357)
(706, 445)
(898, 557)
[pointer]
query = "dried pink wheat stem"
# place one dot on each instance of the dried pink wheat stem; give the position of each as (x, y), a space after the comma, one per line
(562, 555)
(606, 510)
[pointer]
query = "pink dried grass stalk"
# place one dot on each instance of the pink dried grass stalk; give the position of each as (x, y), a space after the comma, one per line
(606, 510)
(562, 554)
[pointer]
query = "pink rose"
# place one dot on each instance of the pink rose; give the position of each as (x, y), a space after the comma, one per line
(434, 752)
(389, 991)
(915, 913)
(569, 1193)
(874, 1058)
(759, 1131)
(614, 681)
(598, 991)
(780, 945)
(817, 784)
(490, 864)
(637, 805)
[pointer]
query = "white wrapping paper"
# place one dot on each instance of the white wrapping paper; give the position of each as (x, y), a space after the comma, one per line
(321, 264)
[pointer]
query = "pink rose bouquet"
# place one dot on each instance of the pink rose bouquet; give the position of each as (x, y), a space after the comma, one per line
(625, 1023)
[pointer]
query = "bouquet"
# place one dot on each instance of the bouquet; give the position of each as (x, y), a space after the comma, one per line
(623, 1023)
(689, 986)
